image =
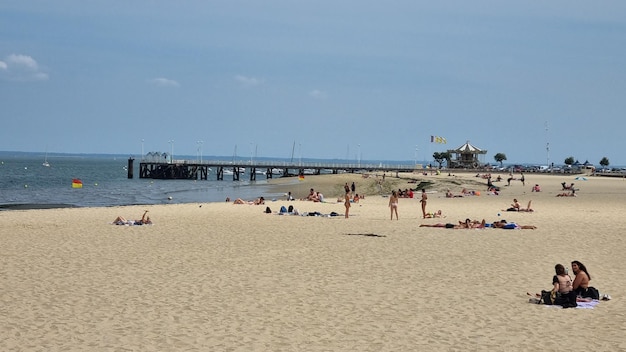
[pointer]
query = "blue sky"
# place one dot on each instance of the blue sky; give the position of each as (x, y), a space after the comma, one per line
(337, 79)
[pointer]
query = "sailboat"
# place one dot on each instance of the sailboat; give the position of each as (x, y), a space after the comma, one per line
(45, 160)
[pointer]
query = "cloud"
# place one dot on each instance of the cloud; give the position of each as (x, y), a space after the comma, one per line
(248, 81)
(18, 67)
(318, 94)
(164, 82)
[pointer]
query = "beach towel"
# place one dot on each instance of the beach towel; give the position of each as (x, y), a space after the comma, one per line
(581, 305)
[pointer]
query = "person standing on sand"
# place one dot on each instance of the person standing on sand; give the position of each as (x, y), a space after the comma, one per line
(423, 201)
(353, 188)
(393, 204)
(347, 202)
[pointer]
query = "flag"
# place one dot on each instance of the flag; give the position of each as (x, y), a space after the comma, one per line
(77, 183)
(437, 139)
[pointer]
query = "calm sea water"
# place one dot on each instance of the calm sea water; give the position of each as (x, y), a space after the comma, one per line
(26, 183)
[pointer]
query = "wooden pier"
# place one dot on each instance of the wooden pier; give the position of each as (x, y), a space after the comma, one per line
(195, 170)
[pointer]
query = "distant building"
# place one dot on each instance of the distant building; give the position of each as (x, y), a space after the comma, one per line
(467, 156)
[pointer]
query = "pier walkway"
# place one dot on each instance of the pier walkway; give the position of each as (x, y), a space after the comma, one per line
(199, 170)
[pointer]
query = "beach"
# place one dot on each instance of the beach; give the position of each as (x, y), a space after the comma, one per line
(225, 277)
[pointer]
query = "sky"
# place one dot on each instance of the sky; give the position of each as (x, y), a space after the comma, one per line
(538, 81)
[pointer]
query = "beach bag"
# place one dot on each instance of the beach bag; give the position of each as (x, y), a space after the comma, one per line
(565, 300)
(268, 210)
(546, 298)
(590, 292)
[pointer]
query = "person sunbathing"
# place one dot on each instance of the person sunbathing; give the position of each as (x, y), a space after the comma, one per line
(449, 194)
(447, 226)
(257, 201)
(502, 224)
(567, 194)
(437, 214)
(467, 224)
(145, 220)
(472, 224)
(528, 208)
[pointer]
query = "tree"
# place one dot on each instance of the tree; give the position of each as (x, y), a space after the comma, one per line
(441, 157)
(604, 162)
(500, 157)
(569, 160)
(447, 156)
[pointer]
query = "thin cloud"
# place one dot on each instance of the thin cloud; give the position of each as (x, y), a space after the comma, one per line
(318, 94)
(164, 82)
(18, 67)
(247, 81)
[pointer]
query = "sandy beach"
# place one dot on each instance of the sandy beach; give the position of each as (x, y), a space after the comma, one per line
(225, 277)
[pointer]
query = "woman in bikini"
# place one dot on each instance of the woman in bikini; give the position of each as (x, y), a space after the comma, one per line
(423, 201)
(393, 204)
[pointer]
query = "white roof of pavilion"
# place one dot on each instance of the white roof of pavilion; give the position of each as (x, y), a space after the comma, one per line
(468, 148)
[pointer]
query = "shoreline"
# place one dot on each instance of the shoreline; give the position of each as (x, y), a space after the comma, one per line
(331, 185)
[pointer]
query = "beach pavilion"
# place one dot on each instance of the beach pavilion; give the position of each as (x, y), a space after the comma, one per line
(467, 156)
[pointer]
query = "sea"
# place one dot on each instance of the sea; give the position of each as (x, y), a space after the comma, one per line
(25, 183)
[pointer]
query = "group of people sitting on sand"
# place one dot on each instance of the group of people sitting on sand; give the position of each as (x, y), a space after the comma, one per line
(568, 292)
(314, 196)
(491, 187)
(353, 199)
(464, 193)
(570, 191)
(407, 193)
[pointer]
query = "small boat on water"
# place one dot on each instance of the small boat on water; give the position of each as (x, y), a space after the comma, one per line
(45, 160)
(229, 171)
